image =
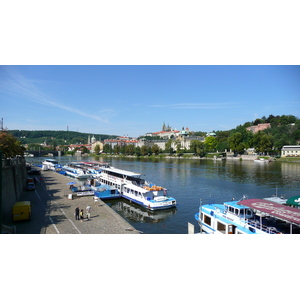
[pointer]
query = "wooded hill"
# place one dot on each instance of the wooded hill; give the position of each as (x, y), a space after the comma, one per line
(61, 137)
(284, 130)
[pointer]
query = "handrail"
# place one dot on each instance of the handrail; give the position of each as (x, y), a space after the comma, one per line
(258, 225)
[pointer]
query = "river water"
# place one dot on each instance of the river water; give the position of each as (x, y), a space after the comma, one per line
(188, 181)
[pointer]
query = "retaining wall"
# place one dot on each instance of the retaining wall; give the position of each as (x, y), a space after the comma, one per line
(14, 178)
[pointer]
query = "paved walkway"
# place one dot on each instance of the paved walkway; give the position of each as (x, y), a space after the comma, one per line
(53, 212)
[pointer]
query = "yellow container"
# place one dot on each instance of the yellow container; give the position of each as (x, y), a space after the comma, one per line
(21, 211)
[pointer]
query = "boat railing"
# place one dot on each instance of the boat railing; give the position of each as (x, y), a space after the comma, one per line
(259, 225)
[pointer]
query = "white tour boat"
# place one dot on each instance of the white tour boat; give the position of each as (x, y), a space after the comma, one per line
(132, 187)
(250, 216)
(49, 164)
(76, 172)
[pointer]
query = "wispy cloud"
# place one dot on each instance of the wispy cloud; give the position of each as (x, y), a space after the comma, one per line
(16, 84)
(218, 105)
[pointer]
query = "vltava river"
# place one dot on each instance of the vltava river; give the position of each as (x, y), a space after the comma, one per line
(189, 180)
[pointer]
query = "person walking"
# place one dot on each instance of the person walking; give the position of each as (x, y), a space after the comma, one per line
(77, 213)
(81, 215)
(88, 212)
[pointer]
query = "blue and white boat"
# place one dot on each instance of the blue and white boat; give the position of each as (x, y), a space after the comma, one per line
(132, 187)
(250, 216)
(49, 164)
(75, 172)
(103, 191)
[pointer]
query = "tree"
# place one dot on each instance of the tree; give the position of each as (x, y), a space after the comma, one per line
(10, 146)
(235, 143)
(197, 147)
(117, 149)
(155, 149)
(144, 150)
(262, 142)
(138, 151)
(107, 148)
(210, 143)
(129, 149)
(168, 147)
(97, 149)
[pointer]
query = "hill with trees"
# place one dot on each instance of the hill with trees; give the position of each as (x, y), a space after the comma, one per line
(61, 137)
(283, 130)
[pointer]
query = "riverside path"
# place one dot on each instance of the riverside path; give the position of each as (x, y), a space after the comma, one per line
(53, 212)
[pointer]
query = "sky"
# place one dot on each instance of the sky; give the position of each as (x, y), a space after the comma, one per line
(134, 100)
(125, 68)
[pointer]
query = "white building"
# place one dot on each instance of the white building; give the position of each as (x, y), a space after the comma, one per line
(293, 150)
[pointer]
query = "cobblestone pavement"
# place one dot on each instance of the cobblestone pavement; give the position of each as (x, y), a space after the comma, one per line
(53, 212)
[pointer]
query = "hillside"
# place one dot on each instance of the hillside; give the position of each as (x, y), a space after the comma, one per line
(61, 137)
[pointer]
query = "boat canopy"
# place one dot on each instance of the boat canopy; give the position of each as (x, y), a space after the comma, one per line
(293, 201)
(283, 212)
(112, 171)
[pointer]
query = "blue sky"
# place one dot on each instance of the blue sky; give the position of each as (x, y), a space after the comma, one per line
(134, 100)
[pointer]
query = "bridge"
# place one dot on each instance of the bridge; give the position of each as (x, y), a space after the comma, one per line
(45, 153)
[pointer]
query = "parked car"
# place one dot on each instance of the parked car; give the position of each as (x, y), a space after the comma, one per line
(30, 186)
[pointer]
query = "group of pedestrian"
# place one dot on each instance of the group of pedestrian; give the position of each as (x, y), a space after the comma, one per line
(79, 213)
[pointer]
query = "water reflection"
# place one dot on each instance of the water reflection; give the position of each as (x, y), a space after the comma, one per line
(135, 213)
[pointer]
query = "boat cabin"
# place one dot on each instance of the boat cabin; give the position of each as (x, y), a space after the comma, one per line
(237, 210)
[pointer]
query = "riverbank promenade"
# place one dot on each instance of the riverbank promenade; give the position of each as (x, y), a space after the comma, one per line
(53, 212)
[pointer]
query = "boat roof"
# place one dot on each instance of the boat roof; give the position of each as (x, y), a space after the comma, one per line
(234, 204)
(122, 172)
(274, 209)
(137, 188)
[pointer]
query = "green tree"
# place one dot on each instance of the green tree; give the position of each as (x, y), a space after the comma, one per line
(155, 149)
(97, 149)
(144, 150)
(210, 143)
(197, 147)
(117, 149)
(235, 143)
(262, 142)
(129, 149)
(138, 151)
(107, 148)
(168, 147)
(10, 146)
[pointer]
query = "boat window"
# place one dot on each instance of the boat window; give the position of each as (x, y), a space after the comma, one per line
(237, 211)
(231, 209)
(221, 227)
(207, 220)
(242, 211)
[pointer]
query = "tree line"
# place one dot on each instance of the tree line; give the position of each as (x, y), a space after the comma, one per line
(61, 137)
(284, 130)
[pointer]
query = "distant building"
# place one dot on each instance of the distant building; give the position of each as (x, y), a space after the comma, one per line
(257, 128)
(95, 144)
(293, 150)
(211, 134)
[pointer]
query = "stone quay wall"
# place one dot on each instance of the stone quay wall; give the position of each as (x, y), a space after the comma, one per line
(14, 179)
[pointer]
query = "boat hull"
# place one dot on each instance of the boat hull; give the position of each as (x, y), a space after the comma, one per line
(152, 205)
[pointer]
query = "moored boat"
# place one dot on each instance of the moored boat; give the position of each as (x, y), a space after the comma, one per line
(248, 216)
(75, 172)
(49, 164)
(132, 187)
